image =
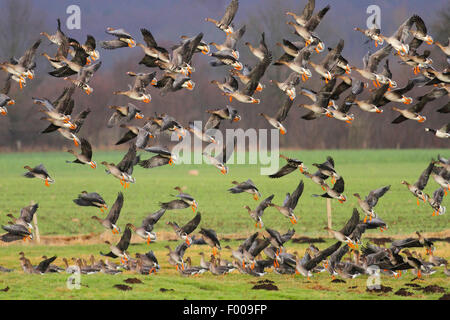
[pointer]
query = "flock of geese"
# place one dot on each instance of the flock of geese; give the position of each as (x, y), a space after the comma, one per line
(177, 69)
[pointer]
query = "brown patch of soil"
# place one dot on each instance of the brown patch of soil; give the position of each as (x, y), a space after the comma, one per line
(432, 289)
(265, 286)
(132, 280)
(122, 287)
(381, 289)
(403, 292)
(445, 297)
(165, 290)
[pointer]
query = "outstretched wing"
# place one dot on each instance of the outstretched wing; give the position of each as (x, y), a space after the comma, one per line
(114, 212)
(293, 199)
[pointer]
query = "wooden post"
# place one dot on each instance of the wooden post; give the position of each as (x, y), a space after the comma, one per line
(329, 212)
(36, 229)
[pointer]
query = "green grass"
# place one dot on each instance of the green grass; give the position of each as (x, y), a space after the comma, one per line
(222, 211)
(58, 215)
(202, 287)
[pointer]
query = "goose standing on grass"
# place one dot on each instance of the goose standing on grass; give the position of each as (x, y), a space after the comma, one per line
(184, 231)
(146, 228)
(246, 186)
(123, 39)
(124, 169)
(371, 201)
(291, 166)
(281, 116)
(39, 172)
(92, 199)
(224, 24)
(417, 188)
(85, 157)
(111, 219)
(258, 212)
(290, 202)
(443, 132)
(120, 250)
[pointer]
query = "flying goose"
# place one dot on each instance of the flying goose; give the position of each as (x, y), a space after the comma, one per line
(185, 201)
(224, 24)
(111, 219)
(123, 39)
(290, 202)
(417, 188)
(138, 91)
(124, 114)
(442, 132)
(163, 157)
(436, 202)
(221, 159)
(124, 169)
(227, 113)
(210, 237)
(85, 157)
(261, 51)
(84, 76)
(5, 100)
(280, 116)
(184, 231)
(56, 38)
(290, 166)
(335, 192)
(39, 172)
(120, 250)
(306, 13)
(258, 212)
(230, 42)
(397, 40)
(16, 232)
(151, 49)
(91, 199)
(371, 201)
(246, 186)
(146, 228)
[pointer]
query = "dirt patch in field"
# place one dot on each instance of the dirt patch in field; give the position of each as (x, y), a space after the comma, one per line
(338, 281)
(265, 281)
(122, 287)
(5, 289)
(413, 285)
(381, 289)
(403, 292)
(432, 289)
(265, 286)
(445, 297)
(165, 290)
(132, 281)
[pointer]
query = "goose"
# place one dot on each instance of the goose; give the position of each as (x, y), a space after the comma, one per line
(85, 157)
(435, 260)
(63, 50)
(224, 24)
(397, 40)
(230, 42)
(73, 66)
(326, 169)
(203, 136)
(261, 51)
(342, 112)
(417, 61)
(445, 49)
(246, 186)
(442, 177)
(230, 84)
(258, 212)
(372, 104)
(288, 86)
(123, 39)
(185, 201)
(69, 133)
(5, 100)
(225, 57)
(321, 101)
(317, 178)
(306, 13)
(163, 157)
(342, 238)
(84, 76)
(149, 260)
(371, 201)
(413, 262)
(176, 256)
(221, 159)
(124, 114)
(210, 237)
(89, 47)
(22, 68)
(335, 192)
(290, 166)
(152, 50)
(202, 47)
(111, 219)
(418, 242)
(184, 231)
(142, 134)
(255, 247)
(172, 82)
(372, 33)
(216, 116)
(39, 172)
(26, 216)
(436, 202)
(137, 91)
(16, 232)
(280, 116)
(91, 199)
(371, 62)
(119, 250)
(443, 132)
(124, 169)
(290, 202)
(328, 62)
(299, 63)
(246, 77)
(411, 113)
(56, 38)
(275, 240)
(146, 228)
(421, 31)
(306, 31)
(41, 268)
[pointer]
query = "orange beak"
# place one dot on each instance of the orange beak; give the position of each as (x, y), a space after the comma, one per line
(11, 102)
(139, 116)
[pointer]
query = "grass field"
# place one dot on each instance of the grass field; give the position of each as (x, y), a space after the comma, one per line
(58, 215)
